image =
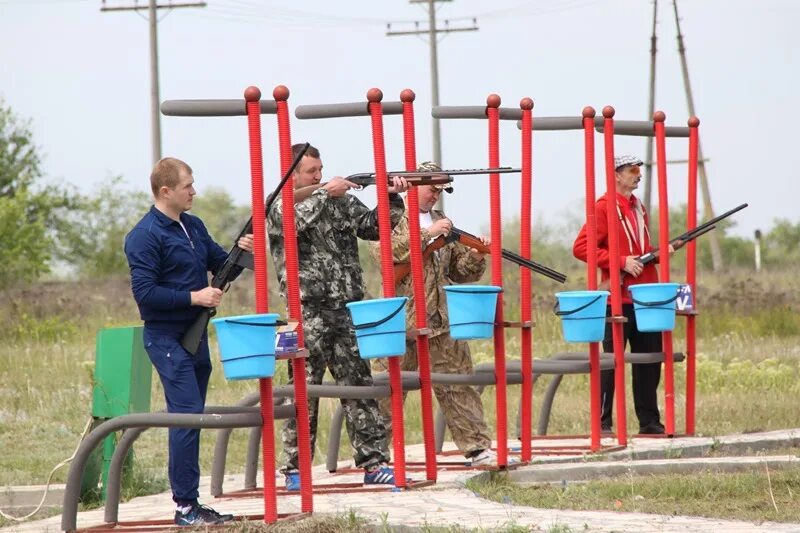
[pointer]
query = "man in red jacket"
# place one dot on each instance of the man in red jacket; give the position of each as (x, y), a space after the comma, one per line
(634, 240)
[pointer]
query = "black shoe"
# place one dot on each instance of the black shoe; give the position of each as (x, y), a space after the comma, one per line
(606, 429)
(653, 428)
(200, 515)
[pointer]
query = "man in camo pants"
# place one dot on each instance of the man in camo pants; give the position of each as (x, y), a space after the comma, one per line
(329, 223)
(453, 263)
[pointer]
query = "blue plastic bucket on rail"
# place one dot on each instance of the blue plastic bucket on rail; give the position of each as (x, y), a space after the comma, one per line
(583, 315)
(247, 345)
(654, 305)
(471, 310)
(380, 326)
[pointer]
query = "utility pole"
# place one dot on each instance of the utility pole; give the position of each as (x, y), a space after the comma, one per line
(432, 32)
(716, 254)
(651, 107)
(155, 116)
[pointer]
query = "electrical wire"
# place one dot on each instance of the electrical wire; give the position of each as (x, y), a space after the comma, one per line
(50, 478)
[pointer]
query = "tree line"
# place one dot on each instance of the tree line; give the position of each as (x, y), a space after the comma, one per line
(48, 226)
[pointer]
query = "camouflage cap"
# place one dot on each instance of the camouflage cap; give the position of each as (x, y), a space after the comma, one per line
(430, 166)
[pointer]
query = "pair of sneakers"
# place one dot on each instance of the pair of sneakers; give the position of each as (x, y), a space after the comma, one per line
(383, 474)
(488, 457)
(200, 515)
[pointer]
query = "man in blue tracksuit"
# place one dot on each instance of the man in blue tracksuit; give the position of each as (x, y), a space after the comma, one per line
(170, 254)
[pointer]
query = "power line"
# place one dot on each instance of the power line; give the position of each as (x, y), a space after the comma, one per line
(716, 253)
(432, 31)
(152, 9)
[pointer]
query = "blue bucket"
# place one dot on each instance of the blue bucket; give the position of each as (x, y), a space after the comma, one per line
(654, 305)
(380, 326)
(247, 345)
(583, 315)
(471, 309)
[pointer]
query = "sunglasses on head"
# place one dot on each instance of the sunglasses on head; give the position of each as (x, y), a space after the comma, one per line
(636, 170)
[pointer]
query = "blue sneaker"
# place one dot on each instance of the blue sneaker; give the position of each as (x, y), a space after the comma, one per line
(382, 475)
(200, 515)
(293, 480)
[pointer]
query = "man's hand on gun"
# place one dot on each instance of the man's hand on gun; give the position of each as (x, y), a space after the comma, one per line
(246, 243)
(633, 266)
(440, 227)
(486, 242)
(338, 187)
(208, 297)
(398, 185)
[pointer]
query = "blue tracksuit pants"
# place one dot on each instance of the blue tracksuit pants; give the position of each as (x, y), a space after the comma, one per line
(185, 382)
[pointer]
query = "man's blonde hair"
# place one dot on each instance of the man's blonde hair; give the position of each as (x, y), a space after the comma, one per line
(167, 173)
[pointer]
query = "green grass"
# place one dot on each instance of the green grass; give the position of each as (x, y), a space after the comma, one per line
(748, 371)
(741, 496)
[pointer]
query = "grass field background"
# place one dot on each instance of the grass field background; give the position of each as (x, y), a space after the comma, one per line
(748, 368)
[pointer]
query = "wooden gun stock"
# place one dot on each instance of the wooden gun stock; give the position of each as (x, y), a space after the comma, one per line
(401, 270)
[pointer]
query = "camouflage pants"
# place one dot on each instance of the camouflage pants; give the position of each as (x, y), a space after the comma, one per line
(332, 345)
(462, 406)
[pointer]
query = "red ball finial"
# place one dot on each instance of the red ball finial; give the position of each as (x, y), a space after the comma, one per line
(589, 112)
(608, 111)
(280, 93)
(694, 122)
(252, 94)
(374, 95)
(526, 103)
(493, 100)
(659, 116)
(407, 95)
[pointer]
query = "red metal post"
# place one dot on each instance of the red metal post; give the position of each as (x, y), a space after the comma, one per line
(418, 285)
(374, 96)
(591, 272)
(663, 261)
(292, 266)
(525, 294)
(614, 279)
(493, 114)
(252, 96)
(691, 277)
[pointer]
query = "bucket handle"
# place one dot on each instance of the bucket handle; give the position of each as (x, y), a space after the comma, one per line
(474, 291)
(654, 304)
(381, 321)
(559, 312)
(242, 323)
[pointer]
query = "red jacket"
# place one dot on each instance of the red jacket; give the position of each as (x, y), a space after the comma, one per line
(634, 239)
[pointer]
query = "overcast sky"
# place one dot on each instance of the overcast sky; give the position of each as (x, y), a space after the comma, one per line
(82, 78)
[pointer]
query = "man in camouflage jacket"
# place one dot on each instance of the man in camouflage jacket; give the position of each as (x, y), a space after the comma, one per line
(328, 223)
(453, 263)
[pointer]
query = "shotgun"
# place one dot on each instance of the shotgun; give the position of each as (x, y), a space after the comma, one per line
(414, 178)
(680, 241)
(401, 270)
(236, 260)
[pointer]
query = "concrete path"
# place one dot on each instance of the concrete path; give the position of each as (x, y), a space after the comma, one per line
(449, 503)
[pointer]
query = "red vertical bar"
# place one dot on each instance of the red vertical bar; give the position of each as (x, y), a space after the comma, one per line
(252, 96)
(525, 294)
(663, 260)
(493, 114)
(614, 279)
(418, 285)
(691, 277)
(591, 272)
(292, 274)
(387, 270)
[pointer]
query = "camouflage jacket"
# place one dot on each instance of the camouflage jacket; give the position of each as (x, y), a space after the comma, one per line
(450, 264)
(330, 273)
